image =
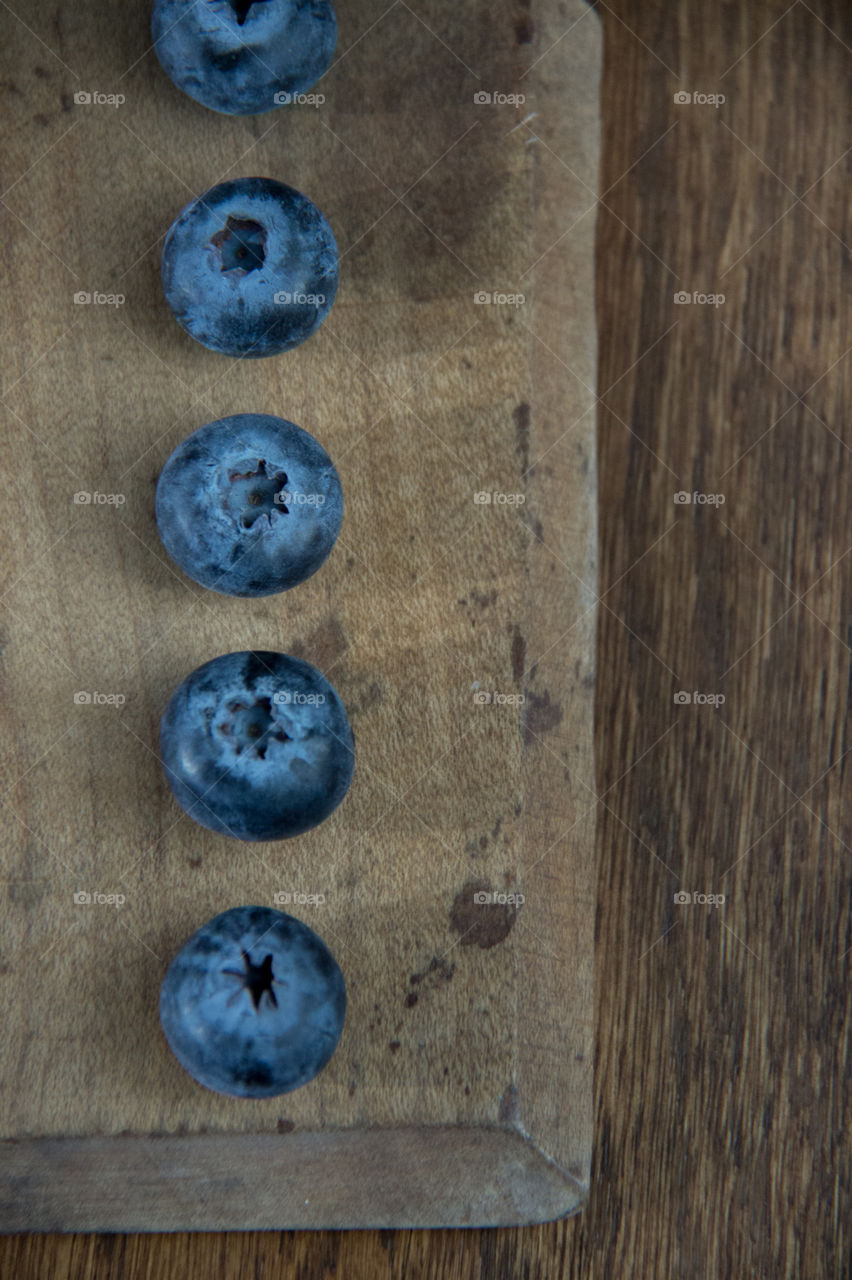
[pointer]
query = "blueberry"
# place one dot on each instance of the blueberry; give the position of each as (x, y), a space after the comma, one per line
(253, 1004)
(240, 57)
(249, 505)
(257, 746)
(250, 268)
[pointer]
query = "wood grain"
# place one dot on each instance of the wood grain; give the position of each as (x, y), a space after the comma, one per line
(722, 1089)
(461, 1092)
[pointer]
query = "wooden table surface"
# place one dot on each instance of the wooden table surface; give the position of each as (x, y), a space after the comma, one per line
(722, 1077)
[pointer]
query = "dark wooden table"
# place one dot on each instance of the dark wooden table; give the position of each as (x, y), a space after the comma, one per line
(722, 1076)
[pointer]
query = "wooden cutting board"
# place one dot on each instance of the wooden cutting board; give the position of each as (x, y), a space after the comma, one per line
(461, 1091)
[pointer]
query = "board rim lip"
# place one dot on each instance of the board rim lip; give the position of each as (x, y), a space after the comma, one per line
(97, 1191)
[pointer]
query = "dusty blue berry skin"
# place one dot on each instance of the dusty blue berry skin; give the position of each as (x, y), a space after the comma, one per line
(249, 505)
(253, 1004)
(250, 268)
(257, 746)
(243, 58)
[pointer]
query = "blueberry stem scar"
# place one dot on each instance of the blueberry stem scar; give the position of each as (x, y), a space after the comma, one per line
(257, 979)
(241, 244)
(242, 7)
(250, 724)
(260, 496)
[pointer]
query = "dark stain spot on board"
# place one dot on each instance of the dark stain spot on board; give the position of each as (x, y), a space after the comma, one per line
(480, 924)
(509, 1105)
(27, 893)
(41, 119)
(40, 73)
(436, 973)
(325, 644)
(524, 29)
(411, 999)
(66, 100)
(540, 715)
(366, 697)
(483, 600)
(393, 1046)
(285, 1126)
(483, 842)
(521, 414)
(195, 863)
(519, 651)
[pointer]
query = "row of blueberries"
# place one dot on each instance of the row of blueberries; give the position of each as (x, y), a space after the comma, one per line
(255, 745)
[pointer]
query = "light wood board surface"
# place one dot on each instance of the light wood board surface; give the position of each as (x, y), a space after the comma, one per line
(461, 1090)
